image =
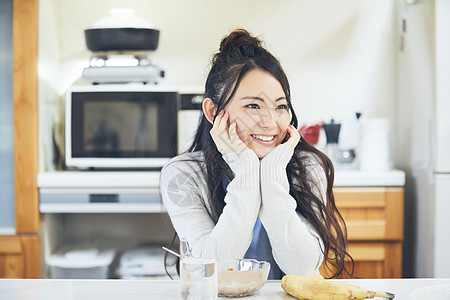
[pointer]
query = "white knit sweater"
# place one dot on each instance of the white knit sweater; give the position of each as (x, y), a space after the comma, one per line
(259, 188)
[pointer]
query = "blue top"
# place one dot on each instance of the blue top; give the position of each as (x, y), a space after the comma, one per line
(260, 248)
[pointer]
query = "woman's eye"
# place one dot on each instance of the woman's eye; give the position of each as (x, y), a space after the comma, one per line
(254, 106)
(282, 106)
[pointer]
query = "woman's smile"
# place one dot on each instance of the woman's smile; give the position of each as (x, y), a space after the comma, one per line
(265, 139)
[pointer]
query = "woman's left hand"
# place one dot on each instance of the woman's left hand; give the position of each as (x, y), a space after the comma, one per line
(283, 152)
(273, 165)
(293, 137)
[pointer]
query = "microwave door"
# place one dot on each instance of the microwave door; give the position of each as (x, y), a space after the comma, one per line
(122, 129)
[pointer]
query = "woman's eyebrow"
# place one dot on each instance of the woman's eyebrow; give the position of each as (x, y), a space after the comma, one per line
(260, 99)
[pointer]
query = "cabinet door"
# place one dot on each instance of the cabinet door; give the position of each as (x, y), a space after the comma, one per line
(372, 260)
(19, 256)
(371, 213)
(377, 260)
(374, 220)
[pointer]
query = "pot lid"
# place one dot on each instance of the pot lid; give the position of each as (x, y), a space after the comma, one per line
(122, 18)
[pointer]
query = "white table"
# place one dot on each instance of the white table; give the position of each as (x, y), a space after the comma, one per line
(49, 289)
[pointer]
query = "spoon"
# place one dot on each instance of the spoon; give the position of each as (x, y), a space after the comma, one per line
(171, 251)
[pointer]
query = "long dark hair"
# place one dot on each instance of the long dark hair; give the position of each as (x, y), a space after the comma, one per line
(240, 53)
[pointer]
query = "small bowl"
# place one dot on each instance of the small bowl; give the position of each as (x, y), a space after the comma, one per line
(241, 277)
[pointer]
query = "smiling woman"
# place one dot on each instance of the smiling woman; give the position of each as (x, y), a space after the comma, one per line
(249, 180)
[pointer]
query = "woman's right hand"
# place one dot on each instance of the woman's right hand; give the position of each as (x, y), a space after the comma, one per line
(226, 138)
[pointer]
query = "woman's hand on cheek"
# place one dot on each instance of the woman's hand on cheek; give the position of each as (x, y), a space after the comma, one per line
(226, 139)
(292, 136)
(282, 154)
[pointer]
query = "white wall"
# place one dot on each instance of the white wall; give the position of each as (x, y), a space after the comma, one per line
(48, 78)
(339, 55)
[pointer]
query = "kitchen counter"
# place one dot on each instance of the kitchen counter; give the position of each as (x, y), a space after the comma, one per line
(49, 289)
(369, 178)
(69, 191)
(150, 179)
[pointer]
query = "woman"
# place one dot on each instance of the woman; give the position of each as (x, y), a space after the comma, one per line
(248, 179)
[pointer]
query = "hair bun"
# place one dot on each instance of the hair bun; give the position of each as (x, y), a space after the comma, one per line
(241, 42)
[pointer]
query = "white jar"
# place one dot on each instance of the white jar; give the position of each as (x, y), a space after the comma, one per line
(374, 152)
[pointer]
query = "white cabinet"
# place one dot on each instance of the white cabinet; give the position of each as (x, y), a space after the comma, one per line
(91, 209)
(441, 225)
(99, 192)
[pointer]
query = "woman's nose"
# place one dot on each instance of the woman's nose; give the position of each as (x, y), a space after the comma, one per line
(267, 118)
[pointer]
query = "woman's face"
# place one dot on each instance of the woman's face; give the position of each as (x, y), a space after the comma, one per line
(260, 110)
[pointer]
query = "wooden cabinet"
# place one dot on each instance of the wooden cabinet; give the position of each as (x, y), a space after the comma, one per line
(374, 219)
(20, 253)
(18, 257)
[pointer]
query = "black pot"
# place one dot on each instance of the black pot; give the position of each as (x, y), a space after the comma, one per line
(121, 39)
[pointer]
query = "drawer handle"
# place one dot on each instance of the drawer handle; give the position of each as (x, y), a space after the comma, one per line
(103, 198)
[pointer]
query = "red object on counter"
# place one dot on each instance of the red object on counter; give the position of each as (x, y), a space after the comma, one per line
(311, 133)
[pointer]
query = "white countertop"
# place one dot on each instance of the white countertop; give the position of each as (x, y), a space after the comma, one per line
(369, 178)
(57, 289)
(66, 183)
(150, 179)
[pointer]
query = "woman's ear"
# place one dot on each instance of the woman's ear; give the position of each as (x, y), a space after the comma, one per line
(209, 109)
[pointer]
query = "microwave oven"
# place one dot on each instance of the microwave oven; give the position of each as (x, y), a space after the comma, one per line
(120, 126)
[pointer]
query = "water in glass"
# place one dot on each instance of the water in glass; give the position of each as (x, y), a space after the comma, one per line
(198, 278)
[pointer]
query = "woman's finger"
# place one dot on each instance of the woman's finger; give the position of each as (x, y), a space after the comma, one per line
(222, 129)
(232, 132)
(223, 124)
(219, 133)
(217, 120)
(236, 143)
(294, 136)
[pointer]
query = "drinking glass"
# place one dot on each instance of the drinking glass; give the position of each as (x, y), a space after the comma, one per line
(198, 270)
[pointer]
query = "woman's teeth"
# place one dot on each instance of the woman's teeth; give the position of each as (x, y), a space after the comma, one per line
(263, 138)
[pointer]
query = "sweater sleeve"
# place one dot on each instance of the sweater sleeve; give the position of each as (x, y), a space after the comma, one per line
(185, 195)
(296, 247)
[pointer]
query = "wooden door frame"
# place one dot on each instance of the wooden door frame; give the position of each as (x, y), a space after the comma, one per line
(20, 253)
(25, 103)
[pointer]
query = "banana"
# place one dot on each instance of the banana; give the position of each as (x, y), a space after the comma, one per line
(315, 287)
